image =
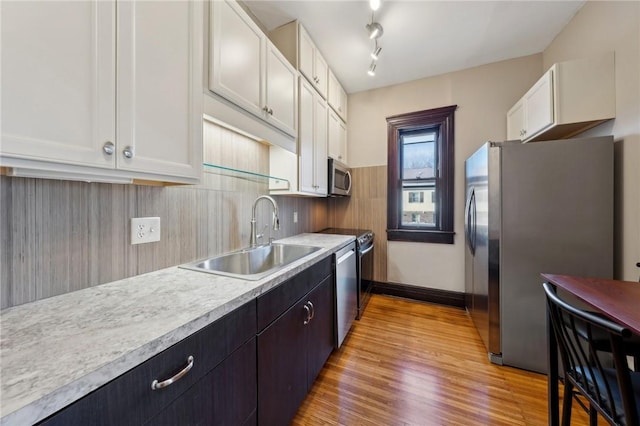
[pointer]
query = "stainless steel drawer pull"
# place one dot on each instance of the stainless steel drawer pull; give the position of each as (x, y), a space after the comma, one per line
(313, 309)
(163, 384)
(307, 320)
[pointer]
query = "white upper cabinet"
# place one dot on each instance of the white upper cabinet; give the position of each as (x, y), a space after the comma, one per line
(64, 66)
(307, 171)
(236, 56)
(337, 138)
(281, 94)
(311, 63)
(160, 87)
(337, 96)
(58, 81)
(568, 99)
(312, 141)
(246, 69)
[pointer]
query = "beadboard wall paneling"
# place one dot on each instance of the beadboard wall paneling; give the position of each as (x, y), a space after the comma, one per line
(366, 209)
(60, 236)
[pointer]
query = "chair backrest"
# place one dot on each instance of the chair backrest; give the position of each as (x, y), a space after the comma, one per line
(609, 390)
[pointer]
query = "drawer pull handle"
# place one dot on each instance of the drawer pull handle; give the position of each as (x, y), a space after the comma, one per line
(163, 384)
(307, 320)
(313, 309)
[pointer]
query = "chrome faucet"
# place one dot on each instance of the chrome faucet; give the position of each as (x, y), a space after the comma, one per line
(276, 221)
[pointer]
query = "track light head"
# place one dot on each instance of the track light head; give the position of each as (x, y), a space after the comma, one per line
(372, 69)
(375, 30)
(376, 53)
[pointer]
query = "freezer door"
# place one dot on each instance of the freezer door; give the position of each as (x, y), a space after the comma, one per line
(476, 240)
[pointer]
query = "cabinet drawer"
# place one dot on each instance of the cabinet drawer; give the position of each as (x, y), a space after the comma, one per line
(225, 396)
(277, 300)
(129, 399)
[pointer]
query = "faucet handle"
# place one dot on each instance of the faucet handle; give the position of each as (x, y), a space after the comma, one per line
(261, 235)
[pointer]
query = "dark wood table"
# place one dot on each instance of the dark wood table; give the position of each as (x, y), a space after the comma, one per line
(618, 300)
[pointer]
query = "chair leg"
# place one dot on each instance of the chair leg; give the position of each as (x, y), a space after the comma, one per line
(593, 416)
(567, 400)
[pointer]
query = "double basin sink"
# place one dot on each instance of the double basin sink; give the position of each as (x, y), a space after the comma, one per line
(253, 263)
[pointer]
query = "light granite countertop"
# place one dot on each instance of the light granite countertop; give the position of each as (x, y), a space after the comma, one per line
(56, 350)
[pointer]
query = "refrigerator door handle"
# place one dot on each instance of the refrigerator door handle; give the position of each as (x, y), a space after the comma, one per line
(468, 223)
(474, 221)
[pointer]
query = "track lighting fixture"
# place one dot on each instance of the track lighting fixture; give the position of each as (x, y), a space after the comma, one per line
(372, 69)
(375, 31)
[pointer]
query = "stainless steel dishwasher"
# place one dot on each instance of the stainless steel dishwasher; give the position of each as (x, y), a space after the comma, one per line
(346, 291)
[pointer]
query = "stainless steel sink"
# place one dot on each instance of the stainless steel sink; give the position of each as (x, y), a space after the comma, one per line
(252, 263)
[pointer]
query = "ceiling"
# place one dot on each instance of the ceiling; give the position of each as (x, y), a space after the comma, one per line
(421, 38)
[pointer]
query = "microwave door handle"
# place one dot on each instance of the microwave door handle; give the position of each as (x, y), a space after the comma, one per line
(348, 174)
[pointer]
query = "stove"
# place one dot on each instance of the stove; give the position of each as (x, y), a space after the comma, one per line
(364, 266)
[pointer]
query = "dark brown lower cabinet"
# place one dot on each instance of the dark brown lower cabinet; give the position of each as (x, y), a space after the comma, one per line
(291, 352)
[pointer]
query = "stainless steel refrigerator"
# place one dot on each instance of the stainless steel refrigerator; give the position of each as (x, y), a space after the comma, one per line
(533, 208)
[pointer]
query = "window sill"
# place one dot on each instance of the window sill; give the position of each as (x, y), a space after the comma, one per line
(420, 236)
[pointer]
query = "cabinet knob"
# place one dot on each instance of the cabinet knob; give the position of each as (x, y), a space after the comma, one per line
(108, 148)
(128, 152)
(270, 111)
(265, 109)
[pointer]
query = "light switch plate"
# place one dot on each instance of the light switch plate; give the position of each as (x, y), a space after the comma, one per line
(145, 230)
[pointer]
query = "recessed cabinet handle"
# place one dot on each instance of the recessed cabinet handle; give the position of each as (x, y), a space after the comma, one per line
(163, 384)
(128, 152)
(307, 320)
(109, 148)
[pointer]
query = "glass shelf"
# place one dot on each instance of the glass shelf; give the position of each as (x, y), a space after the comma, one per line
(273, 181)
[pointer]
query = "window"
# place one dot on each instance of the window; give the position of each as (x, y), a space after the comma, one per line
(416, 197)
(420, 176)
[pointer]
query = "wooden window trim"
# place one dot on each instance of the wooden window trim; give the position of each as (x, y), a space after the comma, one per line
(442, 118)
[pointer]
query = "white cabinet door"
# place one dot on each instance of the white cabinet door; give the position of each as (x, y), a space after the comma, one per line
(236, 56)
(58, 81)
(321, 70)
(320, 144)
(539, 105)
(311, 63)
(337, 97)
(306, 154)
(313, 141)
(281, 94)
(306, 53)
(515, 121)
(159, 95)
(337, 138)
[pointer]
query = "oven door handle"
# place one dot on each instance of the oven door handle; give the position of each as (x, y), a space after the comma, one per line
(365, 251)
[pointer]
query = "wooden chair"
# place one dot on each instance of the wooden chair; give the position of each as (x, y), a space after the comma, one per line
(613, 392)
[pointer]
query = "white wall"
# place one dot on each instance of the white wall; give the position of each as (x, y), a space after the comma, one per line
(483, 95)
(614, 26)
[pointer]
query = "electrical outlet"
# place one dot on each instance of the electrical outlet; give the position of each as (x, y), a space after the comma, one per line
(295, 217)
(145, 230)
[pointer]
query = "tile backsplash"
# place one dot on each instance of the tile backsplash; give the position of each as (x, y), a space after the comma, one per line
(62, 236)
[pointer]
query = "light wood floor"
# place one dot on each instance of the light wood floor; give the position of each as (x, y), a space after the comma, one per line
(412, 363)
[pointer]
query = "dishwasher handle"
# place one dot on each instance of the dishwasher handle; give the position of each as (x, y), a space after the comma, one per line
(345, 256)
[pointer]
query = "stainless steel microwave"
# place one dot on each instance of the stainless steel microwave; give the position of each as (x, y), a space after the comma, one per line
(339, 179)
